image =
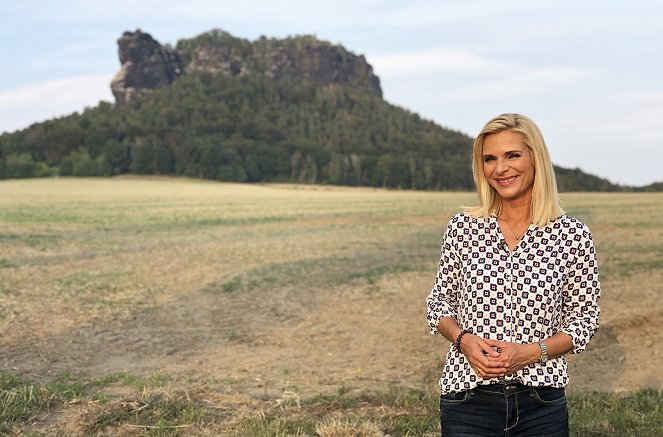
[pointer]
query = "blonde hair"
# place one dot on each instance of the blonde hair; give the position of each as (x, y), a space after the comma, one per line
(545, 199)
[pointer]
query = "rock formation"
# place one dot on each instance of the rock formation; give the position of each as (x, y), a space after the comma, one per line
(298, 58)
(146, 66)
(322, 63)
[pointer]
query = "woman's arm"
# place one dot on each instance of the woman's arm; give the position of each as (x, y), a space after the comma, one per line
(581, 294)
(442, 302)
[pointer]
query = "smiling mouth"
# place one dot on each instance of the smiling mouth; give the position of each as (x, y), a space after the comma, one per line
(506, 181)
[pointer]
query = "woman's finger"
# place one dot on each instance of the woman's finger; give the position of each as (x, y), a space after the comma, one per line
(488, 349)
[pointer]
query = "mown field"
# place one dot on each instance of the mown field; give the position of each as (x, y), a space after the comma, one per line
(147, 306)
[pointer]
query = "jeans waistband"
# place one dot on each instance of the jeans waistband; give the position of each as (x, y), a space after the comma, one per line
(505, 387)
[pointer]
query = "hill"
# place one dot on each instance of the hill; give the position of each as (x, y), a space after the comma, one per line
(219, 107)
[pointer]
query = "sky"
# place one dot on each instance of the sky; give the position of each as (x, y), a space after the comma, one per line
(589, 73)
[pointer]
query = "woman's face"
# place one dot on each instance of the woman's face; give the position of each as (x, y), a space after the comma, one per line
(507, 164)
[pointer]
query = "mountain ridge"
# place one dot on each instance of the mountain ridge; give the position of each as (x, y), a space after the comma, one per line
(148, 65)
(273, 110)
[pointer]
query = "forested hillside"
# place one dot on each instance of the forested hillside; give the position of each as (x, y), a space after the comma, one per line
(273, 110)
(247, 129)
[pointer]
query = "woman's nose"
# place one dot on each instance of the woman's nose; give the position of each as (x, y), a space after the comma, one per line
(502, 166)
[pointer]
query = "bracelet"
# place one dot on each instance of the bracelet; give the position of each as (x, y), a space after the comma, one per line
(463, 332)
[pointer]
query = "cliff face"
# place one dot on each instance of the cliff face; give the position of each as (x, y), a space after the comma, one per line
(147, 66)
(298, 58)
(322, 63)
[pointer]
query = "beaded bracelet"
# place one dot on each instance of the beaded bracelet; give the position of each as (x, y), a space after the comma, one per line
(463, 332)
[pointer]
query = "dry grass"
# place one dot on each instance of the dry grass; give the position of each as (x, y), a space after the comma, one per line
(348, 428)
(264, 296)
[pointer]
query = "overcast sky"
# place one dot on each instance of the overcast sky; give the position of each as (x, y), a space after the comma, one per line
(590, 73)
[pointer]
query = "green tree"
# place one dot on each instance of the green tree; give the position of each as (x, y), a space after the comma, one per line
(20, 166)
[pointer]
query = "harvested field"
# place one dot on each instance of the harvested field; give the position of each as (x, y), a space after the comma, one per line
(254, 297)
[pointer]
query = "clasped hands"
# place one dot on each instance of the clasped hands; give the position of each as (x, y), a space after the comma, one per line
(493, 358)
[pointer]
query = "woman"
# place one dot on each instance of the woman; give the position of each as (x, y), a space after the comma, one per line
(517, 289)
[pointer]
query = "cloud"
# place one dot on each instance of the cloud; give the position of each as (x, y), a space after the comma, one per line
(72, 56)
(436, 61)
(24, 105)
(616, 136)
(475, 77)
(523, 81)
(631, 117)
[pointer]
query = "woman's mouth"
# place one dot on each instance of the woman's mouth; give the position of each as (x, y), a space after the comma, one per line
(506, 181)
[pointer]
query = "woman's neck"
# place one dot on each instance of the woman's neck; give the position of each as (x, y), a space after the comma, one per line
(517, 210)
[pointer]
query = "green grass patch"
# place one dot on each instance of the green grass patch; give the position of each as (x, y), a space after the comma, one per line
(160, 414)
(5, 263)
(411, 425)
(20, 401)
(68, 387)
(611, 414)
(413, 412)
(91, 282)
(583, 214)
(628, 267)
(141, 383)
(274, 425)
(398, 411)
(42, 241)
(233, 285)
(318, 273)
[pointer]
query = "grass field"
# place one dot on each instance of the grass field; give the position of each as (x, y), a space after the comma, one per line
(134, 306)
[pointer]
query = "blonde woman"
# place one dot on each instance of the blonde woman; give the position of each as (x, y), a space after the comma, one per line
(517, 289)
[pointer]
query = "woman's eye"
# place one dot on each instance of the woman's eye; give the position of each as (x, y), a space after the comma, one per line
(488, 159)
(514, 155)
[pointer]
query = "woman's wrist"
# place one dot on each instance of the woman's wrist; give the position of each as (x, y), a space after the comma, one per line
(448, 327)
(535, 353)
(459, 338)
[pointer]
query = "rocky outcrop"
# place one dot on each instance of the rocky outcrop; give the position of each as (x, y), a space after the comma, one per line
(146, 66)
(295, 58)
(320, 62)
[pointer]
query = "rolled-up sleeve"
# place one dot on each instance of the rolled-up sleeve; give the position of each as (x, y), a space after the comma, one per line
(443, 298)
(582, 291)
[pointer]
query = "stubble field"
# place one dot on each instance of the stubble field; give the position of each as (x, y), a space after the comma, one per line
(155, 306)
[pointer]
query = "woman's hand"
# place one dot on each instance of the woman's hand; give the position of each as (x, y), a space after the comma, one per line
(513, 356)
(482, 357)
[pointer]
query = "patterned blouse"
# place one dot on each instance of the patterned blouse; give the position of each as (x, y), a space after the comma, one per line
(549, 283)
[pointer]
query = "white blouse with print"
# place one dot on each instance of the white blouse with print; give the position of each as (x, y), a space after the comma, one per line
(547, 284)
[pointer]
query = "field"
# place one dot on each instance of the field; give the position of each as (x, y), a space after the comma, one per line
(179, 307)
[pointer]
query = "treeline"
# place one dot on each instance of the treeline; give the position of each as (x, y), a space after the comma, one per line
(247, 129)
(252, 129)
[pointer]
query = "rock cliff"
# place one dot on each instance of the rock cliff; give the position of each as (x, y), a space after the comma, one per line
(147, 66)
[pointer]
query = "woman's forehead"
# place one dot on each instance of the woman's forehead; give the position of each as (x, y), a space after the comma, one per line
(503, 142)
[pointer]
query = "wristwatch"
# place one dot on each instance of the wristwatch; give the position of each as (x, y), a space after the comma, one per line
(544, 353)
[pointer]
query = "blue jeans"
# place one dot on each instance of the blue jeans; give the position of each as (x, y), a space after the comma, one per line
(507, 410)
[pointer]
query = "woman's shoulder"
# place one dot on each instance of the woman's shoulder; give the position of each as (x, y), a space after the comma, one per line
(570, 225)
(459, 218)
(463, 220)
